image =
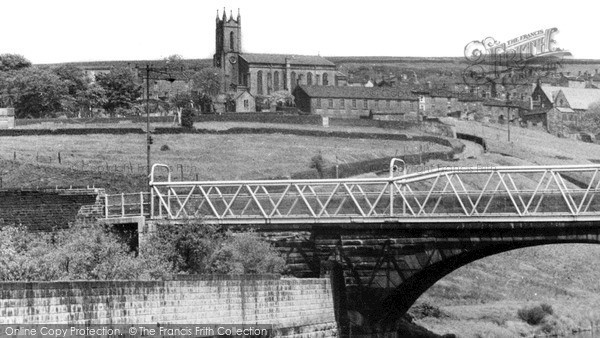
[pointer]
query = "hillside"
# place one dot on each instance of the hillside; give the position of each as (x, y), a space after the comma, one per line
(482, 298)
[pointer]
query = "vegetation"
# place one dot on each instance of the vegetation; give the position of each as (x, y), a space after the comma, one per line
(93, 252)
(44, 91)
(535, 315)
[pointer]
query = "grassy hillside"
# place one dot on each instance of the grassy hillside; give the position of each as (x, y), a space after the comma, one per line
(118, 161)
(482, 299)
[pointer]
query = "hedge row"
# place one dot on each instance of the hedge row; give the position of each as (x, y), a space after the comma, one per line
(98, 120)
(309, 132)
(472, 138)
(70, 131)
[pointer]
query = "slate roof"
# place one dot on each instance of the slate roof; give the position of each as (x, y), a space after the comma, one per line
(581, 98)
(304, 60)
(348, 92)
(551, 91)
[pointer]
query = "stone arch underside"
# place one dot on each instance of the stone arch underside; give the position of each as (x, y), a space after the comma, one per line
(386, 270)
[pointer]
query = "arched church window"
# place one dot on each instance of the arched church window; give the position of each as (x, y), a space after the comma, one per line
(276, 81)
(309, 78)
(259, 82)
(231, 43)
(318, 80)
(294, 80)
(325, 80)
(269, 83)
(285, 85)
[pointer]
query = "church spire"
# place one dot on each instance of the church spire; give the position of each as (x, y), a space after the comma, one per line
(239, 17)
(230, 14)
(217, 15)
(224, 15)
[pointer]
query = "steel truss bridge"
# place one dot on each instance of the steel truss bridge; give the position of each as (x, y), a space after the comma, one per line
(465, 194)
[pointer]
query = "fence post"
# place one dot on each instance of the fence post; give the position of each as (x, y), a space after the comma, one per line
(151, 201)
(141, 204)
(105, 206)
(122, 205)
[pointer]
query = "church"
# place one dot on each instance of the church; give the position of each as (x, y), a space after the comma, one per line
(247, 76)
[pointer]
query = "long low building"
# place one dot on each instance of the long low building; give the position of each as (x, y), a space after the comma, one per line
(355, 102)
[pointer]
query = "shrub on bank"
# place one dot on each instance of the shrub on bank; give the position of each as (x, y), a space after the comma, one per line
(535, 315)
(95, 252)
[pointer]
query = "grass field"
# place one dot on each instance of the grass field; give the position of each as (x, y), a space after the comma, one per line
(196, 156)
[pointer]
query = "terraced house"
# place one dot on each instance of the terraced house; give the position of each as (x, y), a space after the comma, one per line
(356, 102)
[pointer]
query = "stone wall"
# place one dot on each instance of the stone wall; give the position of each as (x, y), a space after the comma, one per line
(295, 307)
(49, 208)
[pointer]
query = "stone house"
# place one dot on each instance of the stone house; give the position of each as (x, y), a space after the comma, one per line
(356, 102)
(570, 112)
(245, 102)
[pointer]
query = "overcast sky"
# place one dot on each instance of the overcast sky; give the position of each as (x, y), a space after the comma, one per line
(52, 31)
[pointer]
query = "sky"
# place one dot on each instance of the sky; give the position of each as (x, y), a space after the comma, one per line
(57, 31)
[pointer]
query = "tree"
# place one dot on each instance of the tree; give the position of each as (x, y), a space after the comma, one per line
(121, 89)
(35, 92)
(206, 84)
(13, 62)
(590, 120)
(93, 96)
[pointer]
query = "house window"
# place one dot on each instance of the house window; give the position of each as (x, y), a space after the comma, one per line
(353, 103)
(365, 104)
(318, 103)
(342, 103)
(246, 104)
(325, 81)
(330, 103)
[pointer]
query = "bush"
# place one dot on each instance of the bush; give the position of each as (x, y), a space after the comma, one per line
(164, 147)
(83, 251)
(246, 253)
(535, 314)
(187, 118)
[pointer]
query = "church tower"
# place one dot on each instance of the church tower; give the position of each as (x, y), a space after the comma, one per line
(228, 48)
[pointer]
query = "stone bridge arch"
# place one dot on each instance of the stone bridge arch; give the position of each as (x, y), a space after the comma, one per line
(382, 270)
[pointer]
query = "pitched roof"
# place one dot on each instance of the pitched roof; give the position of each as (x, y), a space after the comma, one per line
(551, 91)
(581, 98)
(306, 60)
(348, 92)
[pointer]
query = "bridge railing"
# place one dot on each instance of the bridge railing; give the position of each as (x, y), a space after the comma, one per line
(468, 193)
(127, 205)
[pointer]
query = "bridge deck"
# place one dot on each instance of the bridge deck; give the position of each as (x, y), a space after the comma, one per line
(494, 194)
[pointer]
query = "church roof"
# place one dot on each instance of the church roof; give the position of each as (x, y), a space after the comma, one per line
(305, 60)
(349, 92)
